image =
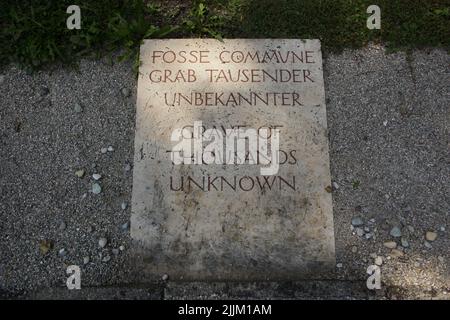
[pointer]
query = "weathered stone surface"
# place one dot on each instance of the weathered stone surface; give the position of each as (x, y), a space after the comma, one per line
(192, 228)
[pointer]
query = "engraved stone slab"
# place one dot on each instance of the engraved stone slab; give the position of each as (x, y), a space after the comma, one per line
(227, 221)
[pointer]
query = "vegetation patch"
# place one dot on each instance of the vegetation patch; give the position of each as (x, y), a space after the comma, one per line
(33, 32)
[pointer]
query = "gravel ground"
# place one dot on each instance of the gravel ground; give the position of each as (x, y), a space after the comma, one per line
(388, 118)
(389, 121)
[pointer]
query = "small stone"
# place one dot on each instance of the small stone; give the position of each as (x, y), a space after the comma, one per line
(96, 176)
(80, 173)
(106, 258)
(77, 108)
(126, 92)
(357, 221)
(2, 78)
(328, 189)
(359, 232)
(431, 236)
(62, 226)
(127, 167)
(390, 244)
(339, 265)
(90, 229)
(86, 260)
(372, 220)
(354, 249)
(442, 228)
(378, 261)
(385, 123)
(366, 229)
(373, 255)
(368, 235)
(428, 245)
(102, 242)
(335, 185)
(405, 243)
(165, 277)
(441, 259)
(45, 246)
(104, 150)
(121, 248)
(410, 229)
(115, 251)
(395, 253)
(125, 226)
(62, 252)
(396, 232)
(110, 149)
(96, 189)
(123, 205)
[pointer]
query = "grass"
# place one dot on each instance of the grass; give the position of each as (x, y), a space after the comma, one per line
(33, 33)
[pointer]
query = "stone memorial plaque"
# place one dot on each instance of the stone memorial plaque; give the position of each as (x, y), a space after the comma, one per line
(231, 168)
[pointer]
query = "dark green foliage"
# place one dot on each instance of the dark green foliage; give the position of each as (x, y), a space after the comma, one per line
(33, 32)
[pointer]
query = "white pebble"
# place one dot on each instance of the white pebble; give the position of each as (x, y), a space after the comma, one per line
(104, 150)
(110, 149)
(378, 261)
(102, 242)
(124, 205)
(121, 248)
(96, 176)
(79, 173)
(78, 108)
(96, 189)
(431, 236)
(85, 260)
(359, 232)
